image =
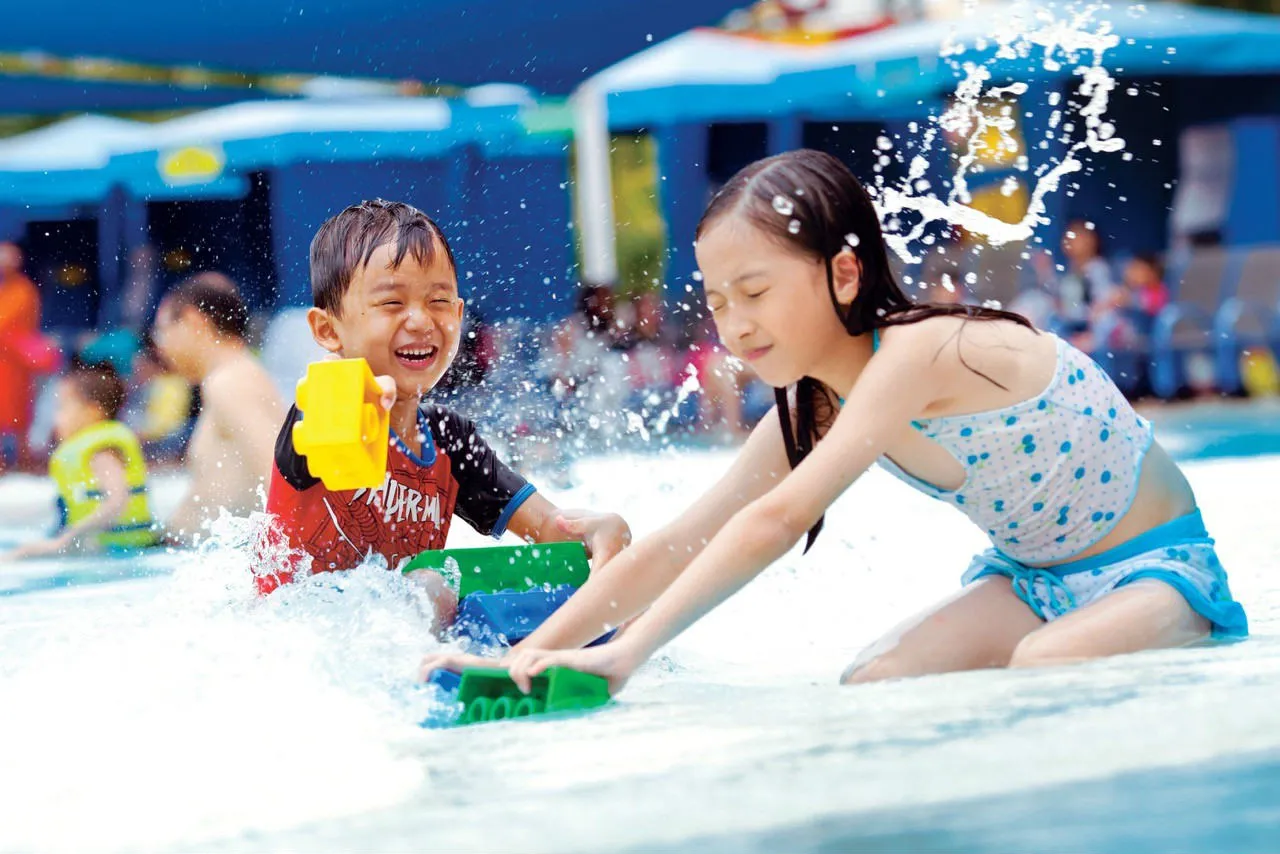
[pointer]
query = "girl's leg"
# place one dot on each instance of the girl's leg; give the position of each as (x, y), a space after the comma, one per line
(979, 627)
(1147, 614)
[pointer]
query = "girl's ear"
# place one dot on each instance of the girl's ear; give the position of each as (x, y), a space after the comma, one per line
(846, 271)
(323, 330)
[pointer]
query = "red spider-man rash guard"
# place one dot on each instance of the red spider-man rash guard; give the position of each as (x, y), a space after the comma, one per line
(455, 472)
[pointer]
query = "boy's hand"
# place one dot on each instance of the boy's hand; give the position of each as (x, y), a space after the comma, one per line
(604, 534)
(384, 382)
(454, 661)
(388, 386)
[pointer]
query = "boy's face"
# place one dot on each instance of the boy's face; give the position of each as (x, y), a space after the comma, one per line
(405, 322)
(73, 413)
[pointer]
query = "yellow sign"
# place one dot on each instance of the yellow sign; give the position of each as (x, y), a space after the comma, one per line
(191, 165)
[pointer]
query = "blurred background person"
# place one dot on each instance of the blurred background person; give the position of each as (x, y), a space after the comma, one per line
(20, 354)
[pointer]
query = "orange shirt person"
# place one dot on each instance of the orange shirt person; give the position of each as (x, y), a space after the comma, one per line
(19, 326)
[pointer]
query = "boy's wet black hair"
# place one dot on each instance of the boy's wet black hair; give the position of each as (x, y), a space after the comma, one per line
(100, 385)
(346, 242)
(835, 214)
(217, 298)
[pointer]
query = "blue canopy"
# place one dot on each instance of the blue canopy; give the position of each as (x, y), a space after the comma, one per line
(551, 45)
(898, 71)
(206, 154)
(255, 135)
(51, 95)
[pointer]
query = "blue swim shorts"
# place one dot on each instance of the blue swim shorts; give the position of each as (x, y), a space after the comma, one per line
(1179, 553)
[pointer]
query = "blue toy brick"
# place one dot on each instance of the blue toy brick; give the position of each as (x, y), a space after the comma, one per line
(507, 617)
(446, 680)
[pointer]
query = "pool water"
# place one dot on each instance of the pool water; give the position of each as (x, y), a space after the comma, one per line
(165, 707)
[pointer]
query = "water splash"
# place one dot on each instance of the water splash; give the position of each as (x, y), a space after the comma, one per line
(1076, 39)
(271, 711)
(783, 205)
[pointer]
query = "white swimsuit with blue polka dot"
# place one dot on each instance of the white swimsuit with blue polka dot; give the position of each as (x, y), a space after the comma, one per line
(1048, 477)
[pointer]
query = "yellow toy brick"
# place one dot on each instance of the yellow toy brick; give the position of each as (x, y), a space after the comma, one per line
(344, 431)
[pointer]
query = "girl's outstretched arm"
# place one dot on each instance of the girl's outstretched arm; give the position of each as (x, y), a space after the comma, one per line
(632, 580)
(895, 388)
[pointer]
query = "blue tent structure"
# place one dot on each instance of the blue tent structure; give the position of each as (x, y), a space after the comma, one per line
(708, 75)
(244, 187)
(757, 98)
(550, 46)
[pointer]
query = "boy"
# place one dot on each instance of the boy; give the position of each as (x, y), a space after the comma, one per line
(200, 330)
(98, 469)
(385, 288)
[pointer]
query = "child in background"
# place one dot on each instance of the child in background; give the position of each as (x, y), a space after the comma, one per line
(159, 407)
(1144, 287)
(1097, 545)
(385, 289)
(98, 469)
(1130, 310)
(1086, 283)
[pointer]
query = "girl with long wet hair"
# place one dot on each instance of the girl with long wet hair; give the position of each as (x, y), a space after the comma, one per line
(1097, 546)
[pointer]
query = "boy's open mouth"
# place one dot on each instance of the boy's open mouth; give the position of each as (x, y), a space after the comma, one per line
(417, 357)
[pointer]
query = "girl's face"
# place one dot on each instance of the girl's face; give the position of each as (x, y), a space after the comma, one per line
(770, 305)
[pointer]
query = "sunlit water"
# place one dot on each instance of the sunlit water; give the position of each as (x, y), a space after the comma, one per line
(180, 712)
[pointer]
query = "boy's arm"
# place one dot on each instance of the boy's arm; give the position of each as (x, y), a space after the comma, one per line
(540, 521)
(493, 499)
(109, 475)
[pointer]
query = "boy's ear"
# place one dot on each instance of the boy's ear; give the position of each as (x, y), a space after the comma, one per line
(846, 273)
(324, 330)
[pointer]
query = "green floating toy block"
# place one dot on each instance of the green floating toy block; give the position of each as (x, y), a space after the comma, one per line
(488, 694)
(493, 569)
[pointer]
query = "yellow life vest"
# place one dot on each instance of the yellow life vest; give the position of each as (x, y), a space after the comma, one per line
(79, 494)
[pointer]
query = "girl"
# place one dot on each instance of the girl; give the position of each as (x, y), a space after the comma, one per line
(1097, 545)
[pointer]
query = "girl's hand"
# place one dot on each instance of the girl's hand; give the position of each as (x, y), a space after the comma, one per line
(614, 661)
(604, 534)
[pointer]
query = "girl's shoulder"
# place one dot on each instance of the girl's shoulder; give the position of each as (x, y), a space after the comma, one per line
(963, 343)
(928, 331)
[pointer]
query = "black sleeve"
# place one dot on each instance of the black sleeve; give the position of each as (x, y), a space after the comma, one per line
(292, 465)
(488, 491)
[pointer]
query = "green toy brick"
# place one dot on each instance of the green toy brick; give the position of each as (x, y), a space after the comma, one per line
(488, 694)
(497, 568)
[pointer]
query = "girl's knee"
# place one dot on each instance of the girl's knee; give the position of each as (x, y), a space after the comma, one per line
(1045, 650)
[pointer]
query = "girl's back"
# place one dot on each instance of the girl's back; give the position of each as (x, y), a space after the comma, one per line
(1030, 428)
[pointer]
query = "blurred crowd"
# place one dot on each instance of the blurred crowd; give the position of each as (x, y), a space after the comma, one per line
(617, 372)
(614, 373)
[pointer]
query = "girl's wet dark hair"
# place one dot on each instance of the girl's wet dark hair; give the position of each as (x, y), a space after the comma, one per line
(834, 214)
